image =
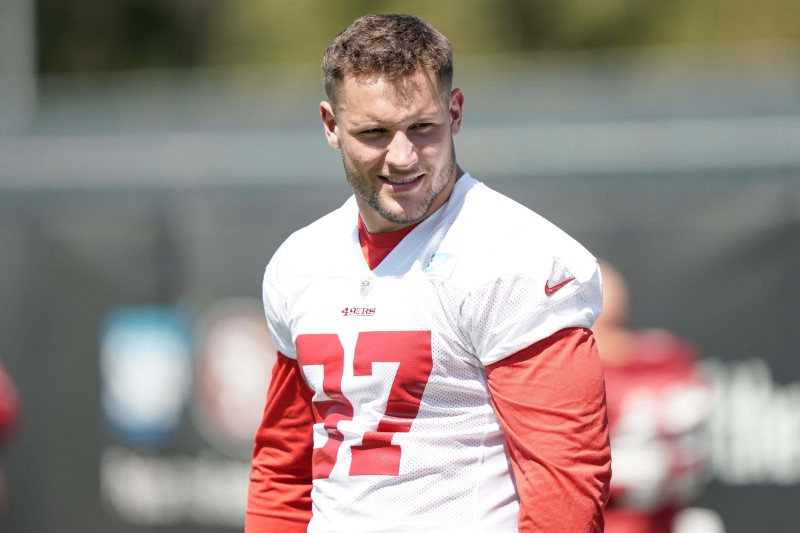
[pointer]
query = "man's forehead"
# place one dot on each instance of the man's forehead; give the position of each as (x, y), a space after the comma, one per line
(401, 91)
(421, 74)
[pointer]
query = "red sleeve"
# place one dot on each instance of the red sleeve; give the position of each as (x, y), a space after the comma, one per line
(550, 399)
(279, 496)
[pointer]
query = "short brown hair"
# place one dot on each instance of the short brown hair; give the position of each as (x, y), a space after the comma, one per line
(393, 46)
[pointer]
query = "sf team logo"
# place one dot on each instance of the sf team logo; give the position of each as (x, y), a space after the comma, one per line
(376, 455)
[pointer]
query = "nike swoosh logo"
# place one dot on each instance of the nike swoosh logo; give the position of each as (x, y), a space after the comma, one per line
(549, 291)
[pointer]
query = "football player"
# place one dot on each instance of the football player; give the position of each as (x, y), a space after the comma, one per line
(436, 370)
(659, 407)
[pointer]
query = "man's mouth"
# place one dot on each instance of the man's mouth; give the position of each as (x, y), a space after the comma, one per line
(402, 180)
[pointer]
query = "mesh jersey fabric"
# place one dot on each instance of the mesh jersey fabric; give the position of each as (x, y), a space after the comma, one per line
(405, 434)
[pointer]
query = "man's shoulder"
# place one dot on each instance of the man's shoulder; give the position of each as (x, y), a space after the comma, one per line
(502, 233)
(317, 239)
(491, 214)
(337, 222)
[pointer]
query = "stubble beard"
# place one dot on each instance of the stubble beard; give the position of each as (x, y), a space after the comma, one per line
(363, 189)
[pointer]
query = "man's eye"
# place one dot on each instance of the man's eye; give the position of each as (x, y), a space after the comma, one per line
(423, 126)
(373, 132)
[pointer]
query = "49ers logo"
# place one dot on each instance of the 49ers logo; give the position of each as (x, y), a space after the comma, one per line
(376, 455)
(358, 311)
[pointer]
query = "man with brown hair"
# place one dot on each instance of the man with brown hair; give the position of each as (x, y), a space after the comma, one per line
(436, 371)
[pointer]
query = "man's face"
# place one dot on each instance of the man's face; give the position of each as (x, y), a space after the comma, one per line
(396, 139)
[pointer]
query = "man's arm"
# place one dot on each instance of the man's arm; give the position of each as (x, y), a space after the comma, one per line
(550, 399)
(279, 496)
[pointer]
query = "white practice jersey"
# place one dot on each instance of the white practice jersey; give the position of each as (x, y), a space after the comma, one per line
(406, 438)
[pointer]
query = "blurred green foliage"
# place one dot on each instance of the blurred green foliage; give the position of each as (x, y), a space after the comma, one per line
(85, 35)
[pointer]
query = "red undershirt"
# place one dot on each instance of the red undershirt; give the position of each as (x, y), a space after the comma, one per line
(376, 246)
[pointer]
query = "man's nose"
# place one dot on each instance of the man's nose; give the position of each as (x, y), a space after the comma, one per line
(401, 152)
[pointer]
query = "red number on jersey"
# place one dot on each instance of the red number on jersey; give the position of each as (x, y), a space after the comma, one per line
(412, 349)
(376, 455)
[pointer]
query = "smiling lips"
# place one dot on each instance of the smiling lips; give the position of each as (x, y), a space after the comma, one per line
(401, 180)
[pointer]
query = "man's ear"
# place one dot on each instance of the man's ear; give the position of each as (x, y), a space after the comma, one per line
(456, 110)
(329, 124)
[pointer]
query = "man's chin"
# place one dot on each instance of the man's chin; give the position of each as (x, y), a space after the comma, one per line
(399, 215)
(402, 220)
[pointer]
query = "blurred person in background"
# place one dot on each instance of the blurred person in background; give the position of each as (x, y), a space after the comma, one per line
(9, 420)
(659, 404)
(436, 370)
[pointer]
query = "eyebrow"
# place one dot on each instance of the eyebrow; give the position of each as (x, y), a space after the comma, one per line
(375, 124)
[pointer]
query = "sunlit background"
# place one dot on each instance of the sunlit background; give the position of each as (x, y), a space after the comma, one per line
(154, 153)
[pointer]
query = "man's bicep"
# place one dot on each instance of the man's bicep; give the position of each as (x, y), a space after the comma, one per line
(550, 400)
